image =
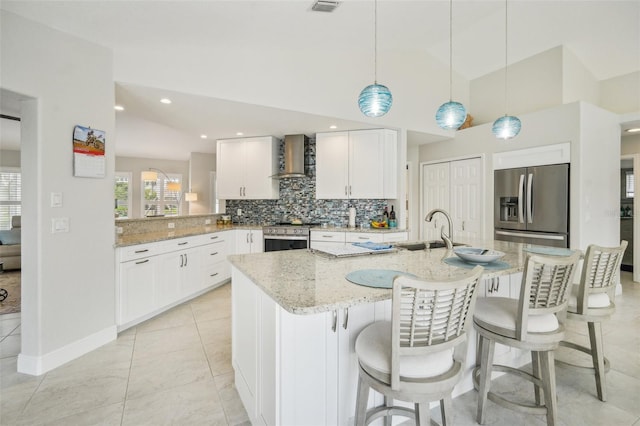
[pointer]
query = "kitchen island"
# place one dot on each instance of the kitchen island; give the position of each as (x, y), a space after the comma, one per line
(295, 319)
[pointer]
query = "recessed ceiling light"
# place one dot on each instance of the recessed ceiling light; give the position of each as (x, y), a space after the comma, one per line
(633, 130)
(165, 101)
(239, 134)
(118, 108)
(203, 136)
(333, 126)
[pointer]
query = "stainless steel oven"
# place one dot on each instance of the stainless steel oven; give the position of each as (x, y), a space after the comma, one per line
(285, 237)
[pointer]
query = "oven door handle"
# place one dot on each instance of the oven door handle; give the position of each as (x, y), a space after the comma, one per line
(287, 237)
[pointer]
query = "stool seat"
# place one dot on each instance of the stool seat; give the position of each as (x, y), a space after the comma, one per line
(500, 315)
(594, 300)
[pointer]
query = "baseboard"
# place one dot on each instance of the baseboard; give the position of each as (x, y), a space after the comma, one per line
(37, 365)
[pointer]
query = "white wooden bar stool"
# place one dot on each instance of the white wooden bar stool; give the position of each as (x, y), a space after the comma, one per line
(419, 356)
(528, 323)
(591, 301)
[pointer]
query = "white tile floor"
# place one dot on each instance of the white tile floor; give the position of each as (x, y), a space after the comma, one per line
(176, 369)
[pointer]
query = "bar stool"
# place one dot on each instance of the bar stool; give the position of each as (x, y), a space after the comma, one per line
(419, 356)
(591, 301)
(528, 323)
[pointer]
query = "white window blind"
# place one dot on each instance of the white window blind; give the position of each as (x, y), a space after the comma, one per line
(630, 184)
(122, 195)
(10, 196)
(157, 199)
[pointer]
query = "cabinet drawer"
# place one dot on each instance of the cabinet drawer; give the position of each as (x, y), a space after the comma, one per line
(338, 237)
(214, 253)
(363, 237)
(217, 273)
(395, 236)
(210, 238)
(139, 251)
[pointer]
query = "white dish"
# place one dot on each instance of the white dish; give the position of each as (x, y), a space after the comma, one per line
(477, 255)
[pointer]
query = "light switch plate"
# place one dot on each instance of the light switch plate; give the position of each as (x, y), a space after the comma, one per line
(59, 224)
(56, 199)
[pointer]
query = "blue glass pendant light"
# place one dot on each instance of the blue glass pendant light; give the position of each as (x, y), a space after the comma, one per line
(451, 115)
(375, 100)
(508, 126)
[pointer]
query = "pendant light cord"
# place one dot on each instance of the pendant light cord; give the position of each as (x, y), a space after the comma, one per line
(375, 41)
(506, 50)
(450, 50)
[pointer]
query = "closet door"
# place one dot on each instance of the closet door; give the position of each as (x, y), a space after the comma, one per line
(435, 194)
(466, 198)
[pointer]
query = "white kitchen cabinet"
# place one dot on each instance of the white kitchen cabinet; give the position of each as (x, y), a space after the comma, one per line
(249, 241)
(245, 168)
(172, 272)
(137, 289)
(363, 237)
(392, 237)
(321, 238)
(356, 164)
(315, 378)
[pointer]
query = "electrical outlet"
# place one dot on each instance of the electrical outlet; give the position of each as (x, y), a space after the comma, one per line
(207, 221)
(239, 212)
(172, 225)
(119, 229)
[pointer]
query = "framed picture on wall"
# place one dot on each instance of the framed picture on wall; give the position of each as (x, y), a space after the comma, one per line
(88, 152)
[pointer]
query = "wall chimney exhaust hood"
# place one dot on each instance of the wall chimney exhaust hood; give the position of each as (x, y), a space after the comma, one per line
(293, 157)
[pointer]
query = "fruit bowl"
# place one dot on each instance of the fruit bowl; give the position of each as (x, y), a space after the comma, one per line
(477, 255)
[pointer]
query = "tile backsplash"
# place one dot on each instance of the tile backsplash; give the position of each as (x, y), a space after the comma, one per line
(298, 200)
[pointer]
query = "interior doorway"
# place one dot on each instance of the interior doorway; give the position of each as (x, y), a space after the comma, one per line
(629, 210)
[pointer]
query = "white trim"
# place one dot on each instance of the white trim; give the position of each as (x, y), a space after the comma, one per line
(636, 226)
(538, 156)
(37, 365)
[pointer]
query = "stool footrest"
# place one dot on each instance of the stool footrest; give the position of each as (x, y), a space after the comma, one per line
(384, 411)
(516, 406)
(576, 367)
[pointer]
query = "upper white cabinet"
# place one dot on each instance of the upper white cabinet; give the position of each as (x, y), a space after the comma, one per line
(357, 164)
(244, 168)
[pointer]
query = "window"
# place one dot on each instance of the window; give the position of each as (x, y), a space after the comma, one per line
(10, 196)
(158, 198)
(629, 184)
(122, 195)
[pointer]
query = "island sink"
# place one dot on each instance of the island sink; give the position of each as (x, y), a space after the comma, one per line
(441, 244)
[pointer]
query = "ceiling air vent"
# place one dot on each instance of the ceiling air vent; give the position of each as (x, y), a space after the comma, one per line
(324, 6)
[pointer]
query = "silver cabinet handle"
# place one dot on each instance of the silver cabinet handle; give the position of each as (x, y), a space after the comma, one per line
(363, 238)
(346, 319)
(241, 191)
(530, 199)
(183, 243)
(345, 190)
(213, 275)
(349, 189)
(247, 238)
(213, 254)
(141, 251)
(181, 260)
(335, 321)
(142, 261)
(252, 237)
(186, 260)
(521, 200)
(213, 238)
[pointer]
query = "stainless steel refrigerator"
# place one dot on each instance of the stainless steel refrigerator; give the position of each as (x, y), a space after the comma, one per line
(531, 205)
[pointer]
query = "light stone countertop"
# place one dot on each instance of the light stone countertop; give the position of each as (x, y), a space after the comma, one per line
(304, 282)
(169, 234)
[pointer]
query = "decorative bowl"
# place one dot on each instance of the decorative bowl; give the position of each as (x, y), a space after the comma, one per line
(477, 255)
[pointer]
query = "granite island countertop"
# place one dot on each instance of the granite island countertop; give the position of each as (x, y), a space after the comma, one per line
(169, 234)
(306, 282)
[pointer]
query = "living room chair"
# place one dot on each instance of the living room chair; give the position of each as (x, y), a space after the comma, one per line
(530, 323)
(592, 301)
(419, 356)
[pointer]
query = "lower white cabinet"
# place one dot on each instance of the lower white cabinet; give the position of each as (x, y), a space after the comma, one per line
(249, 241)
(327, 238)
(154, 277)
(309, 360)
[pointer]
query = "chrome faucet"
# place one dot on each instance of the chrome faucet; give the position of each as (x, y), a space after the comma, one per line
(446, 238)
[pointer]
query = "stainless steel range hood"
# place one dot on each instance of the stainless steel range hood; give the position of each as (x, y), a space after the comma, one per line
(293, 157)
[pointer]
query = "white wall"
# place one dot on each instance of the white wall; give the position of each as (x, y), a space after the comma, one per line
(200, 167)
(590, 130)
(137, 165)
(621, 94)
(578, 84)
(534, 84)
(68, 295)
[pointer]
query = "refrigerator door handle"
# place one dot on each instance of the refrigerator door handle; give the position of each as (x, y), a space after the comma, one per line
(540, 236)
(530, 198)
(521, 200)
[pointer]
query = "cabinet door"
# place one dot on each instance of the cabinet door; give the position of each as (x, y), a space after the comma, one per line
(230, 169)
(332, 165)
(366, 176)
(243, 242)
(261, 164)
(137, 289)
(395, 236)
(390, 164)
(466, 203)
(435, 194)
(169, 276)
(191, 279)
(257, 241)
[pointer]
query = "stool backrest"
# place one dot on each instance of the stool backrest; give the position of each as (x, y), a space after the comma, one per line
(545, 287)
(599, 272)
(430, 316)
